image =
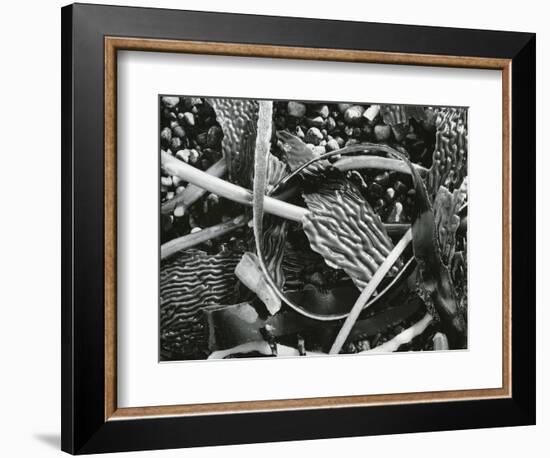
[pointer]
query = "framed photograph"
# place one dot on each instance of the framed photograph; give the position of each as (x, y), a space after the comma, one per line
(281, 228)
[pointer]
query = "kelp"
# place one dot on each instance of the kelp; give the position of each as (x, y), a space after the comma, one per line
(450, 156)
(297, 153)
(394, 115)
(189, 281)
(447, 220)
(434, 282)
(341, 226)
(344, 229)
(237, 118)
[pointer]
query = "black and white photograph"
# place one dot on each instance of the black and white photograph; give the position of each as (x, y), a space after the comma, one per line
(293, 228)
(274, 229)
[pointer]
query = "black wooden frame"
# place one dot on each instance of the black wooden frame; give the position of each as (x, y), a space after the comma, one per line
(84, 429)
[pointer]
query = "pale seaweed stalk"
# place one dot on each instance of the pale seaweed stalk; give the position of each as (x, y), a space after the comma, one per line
(190, 240)
(369, 291)
(193, 192)
(375, 162)
(402, 338)
(228, 190)
(272, 205)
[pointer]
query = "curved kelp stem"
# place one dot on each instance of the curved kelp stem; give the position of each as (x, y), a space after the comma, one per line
(360, 148)
(375, 162)
(263, 142)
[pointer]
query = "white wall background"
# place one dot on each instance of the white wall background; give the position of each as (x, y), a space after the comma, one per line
(30, 227)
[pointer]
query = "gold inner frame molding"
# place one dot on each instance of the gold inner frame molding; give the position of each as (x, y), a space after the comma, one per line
(114, 44)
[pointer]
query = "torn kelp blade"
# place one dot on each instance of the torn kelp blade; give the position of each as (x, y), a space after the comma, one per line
(343, 228)
(435, 285)
(237, 118)
(237, 324)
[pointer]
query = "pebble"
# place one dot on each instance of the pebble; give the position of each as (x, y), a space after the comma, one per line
(300, 132)
(330, 124)
(180, 189)
(176, 181)
(179, 211)
(195, 229)
(362, 345)
(178, 132)
(340, 141)
(191, 103)
(166, 135)
(353, 114)
(372, 112)
(314, 136)
(170, 102)
(166, 181)
(189, 118)
(351, 142)
(183, 154)
(296, 109)
(318, 121)
(382, 132)
(379, 204)
(194, 156)
(332, 145)
(175, 144)
(323, 111)
(169, 195)
(342, 107)
(395, 214)
(382, 179)
(390, 193)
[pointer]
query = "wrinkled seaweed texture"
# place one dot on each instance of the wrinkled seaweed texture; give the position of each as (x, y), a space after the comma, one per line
(394, 115)
(434, 281)
(346, 231)
(447, 221)
(189, 281)
(237, 118)
(450, 156)
(273, 247)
